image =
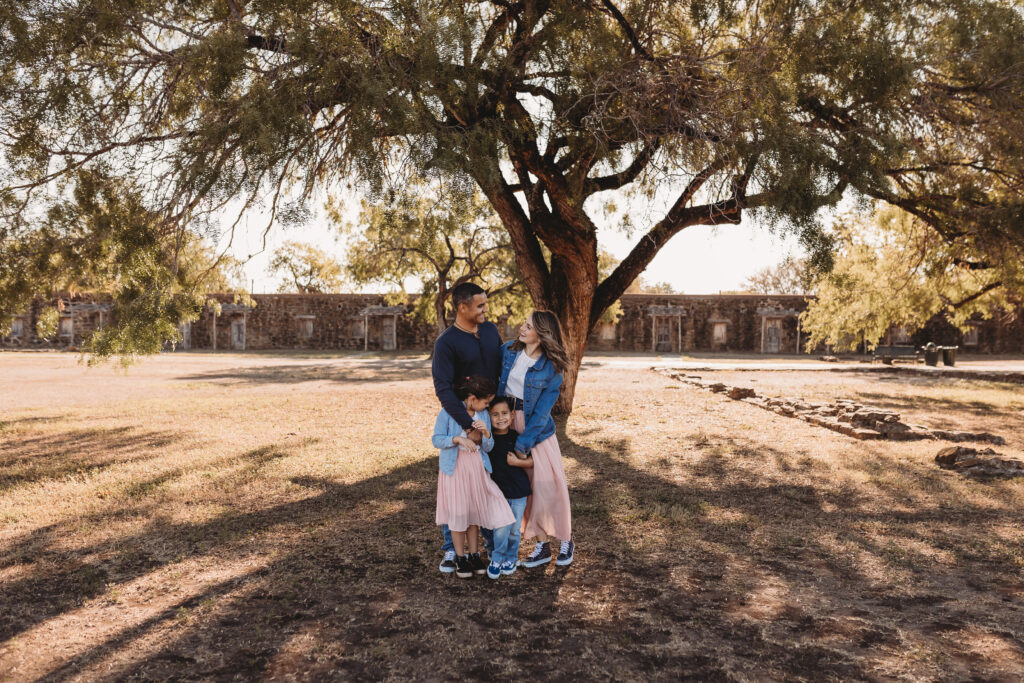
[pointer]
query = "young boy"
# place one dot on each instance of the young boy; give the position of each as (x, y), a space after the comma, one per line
(507, 471)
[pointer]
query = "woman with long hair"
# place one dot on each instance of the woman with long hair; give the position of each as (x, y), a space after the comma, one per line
(531, 375)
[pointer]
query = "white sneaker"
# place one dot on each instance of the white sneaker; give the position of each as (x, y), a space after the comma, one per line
(448, 563)
(565, 554)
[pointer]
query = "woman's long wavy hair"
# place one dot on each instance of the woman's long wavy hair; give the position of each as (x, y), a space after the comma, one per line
(550, 332)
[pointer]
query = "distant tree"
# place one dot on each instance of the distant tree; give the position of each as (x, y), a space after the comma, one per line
(307, 269)
(441, 235)
(641, 286)
(792, 275)
(891, 269)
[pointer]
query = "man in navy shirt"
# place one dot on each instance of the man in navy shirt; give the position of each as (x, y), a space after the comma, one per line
(471, 346)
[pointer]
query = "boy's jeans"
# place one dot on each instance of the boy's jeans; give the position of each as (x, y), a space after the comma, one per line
(503, 543)
(448, 545)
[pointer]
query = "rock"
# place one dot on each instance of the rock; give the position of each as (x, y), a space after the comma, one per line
(717, 387)
(889, 428)
(954, 457)
(741, 392)
(829, 359)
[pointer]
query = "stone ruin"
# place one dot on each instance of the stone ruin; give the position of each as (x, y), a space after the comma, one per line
(973, 461)
(842, 415)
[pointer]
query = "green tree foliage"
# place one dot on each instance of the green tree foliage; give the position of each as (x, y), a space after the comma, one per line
(47, 322)
(723, 107)
(891, 270)
(791, 275)
(307, 269)
(442, 235)
(103, 240)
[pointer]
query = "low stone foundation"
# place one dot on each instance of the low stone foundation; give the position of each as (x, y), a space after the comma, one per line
(843, 415)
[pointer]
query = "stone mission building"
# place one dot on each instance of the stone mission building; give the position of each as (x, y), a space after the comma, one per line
(659, 323)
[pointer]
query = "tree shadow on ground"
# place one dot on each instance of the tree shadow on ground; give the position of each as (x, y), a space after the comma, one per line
(691, 567)
(353, 372)
(78, 452)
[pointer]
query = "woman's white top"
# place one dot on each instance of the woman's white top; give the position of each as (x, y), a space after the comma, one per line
(517, 375)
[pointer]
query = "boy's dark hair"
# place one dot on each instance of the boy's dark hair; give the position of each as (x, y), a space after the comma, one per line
(477, 385)
(506, 400)
(464, 293)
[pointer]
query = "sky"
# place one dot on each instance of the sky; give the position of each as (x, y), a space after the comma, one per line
(699, 260)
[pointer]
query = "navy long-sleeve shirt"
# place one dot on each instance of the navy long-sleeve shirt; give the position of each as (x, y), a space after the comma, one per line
(461, 354)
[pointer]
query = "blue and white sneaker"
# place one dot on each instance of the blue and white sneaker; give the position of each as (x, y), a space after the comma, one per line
(448, 563)
(541, 555)
(493, 571)
(508, 568)
(565, 554)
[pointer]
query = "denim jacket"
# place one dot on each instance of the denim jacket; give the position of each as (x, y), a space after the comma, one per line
(446, 429)
(540, 391)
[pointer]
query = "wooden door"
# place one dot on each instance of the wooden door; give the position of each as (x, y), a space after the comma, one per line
(773, 336)
(387, 334)
(664, 334)
(238, 334)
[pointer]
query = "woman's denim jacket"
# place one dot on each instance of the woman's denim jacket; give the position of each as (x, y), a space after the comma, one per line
(540, 391)
(446, 429)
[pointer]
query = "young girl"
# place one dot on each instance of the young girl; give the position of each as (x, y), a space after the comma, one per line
(531, 374)
(466, 497)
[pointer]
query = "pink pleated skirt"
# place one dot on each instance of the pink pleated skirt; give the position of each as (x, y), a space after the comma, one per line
(470, 497)
(547, 510)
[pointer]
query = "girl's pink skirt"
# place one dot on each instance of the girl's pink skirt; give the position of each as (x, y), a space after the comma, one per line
(469, 496)
(547, 510)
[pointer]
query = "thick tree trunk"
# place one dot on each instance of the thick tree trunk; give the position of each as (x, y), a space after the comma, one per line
(571, 290)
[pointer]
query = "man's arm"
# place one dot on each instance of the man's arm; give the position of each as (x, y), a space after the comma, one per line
(443, 371)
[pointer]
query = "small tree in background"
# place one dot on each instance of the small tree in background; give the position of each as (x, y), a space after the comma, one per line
(307, 269)
(893, 270)
(441, 235)
(792, 275)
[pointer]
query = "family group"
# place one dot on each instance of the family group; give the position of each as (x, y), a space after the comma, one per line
(500, 473)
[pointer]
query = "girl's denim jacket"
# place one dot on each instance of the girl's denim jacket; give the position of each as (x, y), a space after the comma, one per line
(540, 391)
(446, 428)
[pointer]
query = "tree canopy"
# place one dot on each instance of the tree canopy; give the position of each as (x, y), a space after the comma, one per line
(892, 270)
(716, 108)
(307, 269)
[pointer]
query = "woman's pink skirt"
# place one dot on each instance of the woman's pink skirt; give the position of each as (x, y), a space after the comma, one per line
(547, 510)
(469, 496)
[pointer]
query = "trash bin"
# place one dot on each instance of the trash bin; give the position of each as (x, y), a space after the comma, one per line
(931, 354)
(949, 355)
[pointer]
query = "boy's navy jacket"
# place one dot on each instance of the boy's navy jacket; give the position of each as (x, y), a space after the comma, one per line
(540, 391)
(459, 354)
(446, 429)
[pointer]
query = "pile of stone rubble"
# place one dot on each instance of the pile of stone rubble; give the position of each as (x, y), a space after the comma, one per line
(843, 415)
(973, 461)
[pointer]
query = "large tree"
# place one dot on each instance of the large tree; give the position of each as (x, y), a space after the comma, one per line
(721, 106)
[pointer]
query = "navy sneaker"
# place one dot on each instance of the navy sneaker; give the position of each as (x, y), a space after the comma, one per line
(541, 555)
(493, 571)
(508, 568)
(448, 563)
(479, 566)
(463, 567)
(565, 554)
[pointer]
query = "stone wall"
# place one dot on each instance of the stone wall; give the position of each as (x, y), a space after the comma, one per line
(79, 316)
(667, 323)
(676, 323)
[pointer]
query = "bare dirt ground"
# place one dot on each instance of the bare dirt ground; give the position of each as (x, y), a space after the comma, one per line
(219, 517)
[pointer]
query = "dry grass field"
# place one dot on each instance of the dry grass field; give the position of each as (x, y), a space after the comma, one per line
(218, 517)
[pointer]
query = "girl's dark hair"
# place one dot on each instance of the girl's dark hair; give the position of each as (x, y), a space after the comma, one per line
(477, 385)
